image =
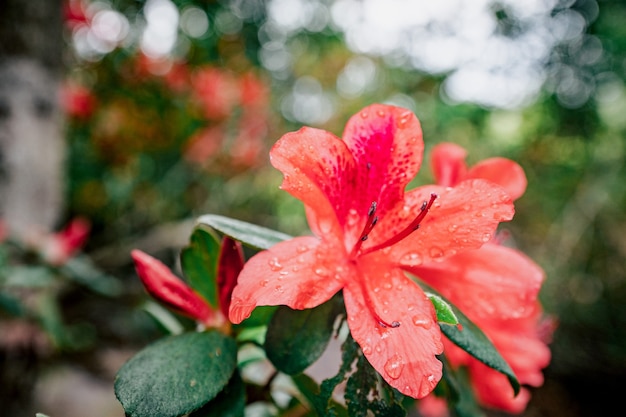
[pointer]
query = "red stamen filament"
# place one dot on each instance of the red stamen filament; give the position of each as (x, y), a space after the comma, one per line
(372, 219)
(370, 305)
(413, 226)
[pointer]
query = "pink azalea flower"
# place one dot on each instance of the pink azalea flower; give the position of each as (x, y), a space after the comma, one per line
(496, 287)
(367, 231)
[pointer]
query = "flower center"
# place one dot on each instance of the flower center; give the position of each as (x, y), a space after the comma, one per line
(372, 220)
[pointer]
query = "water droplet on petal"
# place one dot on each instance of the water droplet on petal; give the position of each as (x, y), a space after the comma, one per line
(380, 113)
(279, 288)
(412, 259)
(353, 217)
(321, 271)
(423, 322)
(366, 350)
(486, 237)
(436, 252)
(264, 283)
(394, 366)
(302, 248)
(364, 114)
(274, 264)
(453, 228)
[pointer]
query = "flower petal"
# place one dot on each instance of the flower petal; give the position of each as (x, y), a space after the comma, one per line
(464, 217)
(502, 171)
(319, 170)
(229, 266)
(405, 355)
(166, 287)
(447, 162)
(493, 281)
(300, 273)
(387, 145)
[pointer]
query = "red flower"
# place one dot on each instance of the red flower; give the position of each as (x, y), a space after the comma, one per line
(77, 100)
(58, 247)
(366, 234)
(496, 287)
(163, 285)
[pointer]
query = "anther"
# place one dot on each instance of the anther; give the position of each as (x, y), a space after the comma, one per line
(413, 226)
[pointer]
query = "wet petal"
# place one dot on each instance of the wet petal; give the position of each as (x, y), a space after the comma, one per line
(493, 281)
(300, 273)
(447, 162)
(464, 217)
(502, 171)
(387, 145)
(319, 170)
(404, 355)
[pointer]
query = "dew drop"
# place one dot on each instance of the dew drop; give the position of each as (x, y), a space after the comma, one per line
(279, 288)
(302, 248)
(364, 114)
(436, 252)
(322, 272)
(264, 283)
(394, 366)
(423, 322)
(377, 289)
(366, 350)
(353, 217)
(412, 259)
(274, 264)
(453, 228)
(486, 237)
(431, 378)
(380, 113)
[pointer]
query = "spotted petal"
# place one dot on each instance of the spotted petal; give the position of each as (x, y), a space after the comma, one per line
(387, 146)
(404, 355)
(464, 217)
(493, 281)
(300, 273)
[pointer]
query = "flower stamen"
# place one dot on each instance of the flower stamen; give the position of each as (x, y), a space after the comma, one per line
(370, 305)
(372, 219)
(413, 226)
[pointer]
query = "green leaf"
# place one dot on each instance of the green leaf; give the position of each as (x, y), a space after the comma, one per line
(471, 339)
(231, 402)
(199, 263)
(445, 314)
(362, 394)
(250, 234)
(297, 338)
(176, 375)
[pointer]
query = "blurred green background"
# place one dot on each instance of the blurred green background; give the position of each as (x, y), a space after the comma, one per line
(172, 107)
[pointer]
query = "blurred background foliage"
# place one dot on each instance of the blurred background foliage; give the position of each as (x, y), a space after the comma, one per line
(172, 107)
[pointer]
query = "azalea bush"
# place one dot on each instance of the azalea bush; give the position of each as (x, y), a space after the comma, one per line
(405, 296)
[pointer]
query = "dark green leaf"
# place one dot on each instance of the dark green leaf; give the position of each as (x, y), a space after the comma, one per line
(230, 402)
(199, 263)
(297, 338)
(311, 391)
(363, 394)
(471, 339)
(176, 375)
(250, 234)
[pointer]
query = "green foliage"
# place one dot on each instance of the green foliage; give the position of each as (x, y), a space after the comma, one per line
(177, 375)
(297, 338)
(199, 262)
(250, 234)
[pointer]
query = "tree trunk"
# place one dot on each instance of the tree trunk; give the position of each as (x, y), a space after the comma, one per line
(31, 163)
